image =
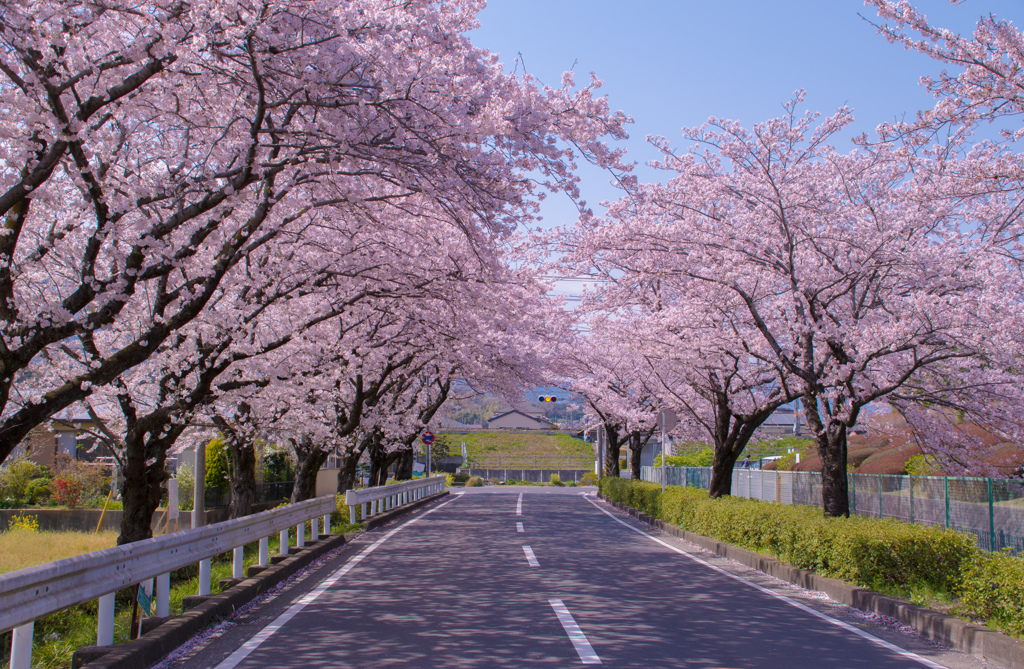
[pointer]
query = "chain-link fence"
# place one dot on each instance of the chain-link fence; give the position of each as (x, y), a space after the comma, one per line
(990, 509)
(265, 492)
(507, 461)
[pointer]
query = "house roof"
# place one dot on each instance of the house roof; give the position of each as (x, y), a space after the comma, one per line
(539, 419)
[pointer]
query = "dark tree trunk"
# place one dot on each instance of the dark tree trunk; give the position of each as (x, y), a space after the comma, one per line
(310, 459)
(636, 446)
(612, 452)
(347, 472)
(721, 472)
(403, 464)
(378, 462)
(243, 475)
(143, 478)
(835, 493)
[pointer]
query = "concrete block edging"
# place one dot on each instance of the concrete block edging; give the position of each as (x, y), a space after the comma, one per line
(155, 645)
(969, 638)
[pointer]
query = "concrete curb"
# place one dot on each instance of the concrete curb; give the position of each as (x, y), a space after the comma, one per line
(155, 645)
(976, 640)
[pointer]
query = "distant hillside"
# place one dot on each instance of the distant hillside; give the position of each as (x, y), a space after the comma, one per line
(522, 450)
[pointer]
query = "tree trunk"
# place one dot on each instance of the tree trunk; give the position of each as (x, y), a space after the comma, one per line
(378, 464)
(721, 471)
(243, 475)
(310, 459)
(143, 476)
(636, 446)
(612, 451)
(403, 465)
(831, 443)
(347, 472)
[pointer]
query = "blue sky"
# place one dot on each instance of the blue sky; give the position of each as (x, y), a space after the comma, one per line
(673, 63)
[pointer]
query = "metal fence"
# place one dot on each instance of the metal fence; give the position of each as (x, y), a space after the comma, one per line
(548, 462)
(281, 491)
(532, 475)
(990, 509)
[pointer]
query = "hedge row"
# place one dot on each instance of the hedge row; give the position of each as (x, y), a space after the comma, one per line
(879, 554)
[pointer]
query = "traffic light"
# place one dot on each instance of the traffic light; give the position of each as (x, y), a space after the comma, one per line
(547, 398)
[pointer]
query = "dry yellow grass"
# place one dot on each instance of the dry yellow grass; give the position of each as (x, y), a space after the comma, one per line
(21, 549)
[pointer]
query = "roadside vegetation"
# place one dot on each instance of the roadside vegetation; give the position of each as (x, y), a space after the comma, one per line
(930, 566)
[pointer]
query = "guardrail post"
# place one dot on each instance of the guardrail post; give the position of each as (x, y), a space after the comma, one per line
(264, 551)
(105, 620)
(163, 595)
(366, 509)
(314, 529)
(237, 560)
(327, 524)
(284, 542)
(204, 576)
(21, 646)
(300, 535)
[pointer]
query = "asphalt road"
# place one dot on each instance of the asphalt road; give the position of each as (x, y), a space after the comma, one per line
(525, 577)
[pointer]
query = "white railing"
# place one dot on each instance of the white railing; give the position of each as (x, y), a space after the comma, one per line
(386, 497)
(32, 593)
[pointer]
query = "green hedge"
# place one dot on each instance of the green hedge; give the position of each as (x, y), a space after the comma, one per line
(881, 554)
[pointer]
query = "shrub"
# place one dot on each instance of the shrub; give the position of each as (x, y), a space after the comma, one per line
(38, 491)
(449, 480)
(15, 477)
(921, 465)
(474, 482)
(186, 487)
(871, 552)
(217, 464)
(555, 480)
(993, 587)
(67, 491)
(588, 479)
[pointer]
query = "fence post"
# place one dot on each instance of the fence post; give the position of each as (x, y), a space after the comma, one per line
(327, 524)
(991, 518)
(853, 493)
(163, 595)
(238, 562)
(284, 542)
(204, 576)
(946, 478)
(911, 478)
(314, 529)
(264, 551)
(105, 620)
(300, 535)
(21, 646)
(879, 479)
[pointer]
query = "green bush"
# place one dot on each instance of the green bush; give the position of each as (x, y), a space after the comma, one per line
(555, 480)
(474, 482)
(461, 477)
(874, 553)
(588, 479)
(15, 477)
(993, 588)
(702, 458)
(217, 475)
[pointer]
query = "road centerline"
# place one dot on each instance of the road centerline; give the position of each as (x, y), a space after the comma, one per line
(519, 527)
(530, 557)
(519, 505)
(575, 634)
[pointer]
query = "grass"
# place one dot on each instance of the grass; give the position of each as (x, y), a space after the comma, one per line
(523, 450)
(21, 549)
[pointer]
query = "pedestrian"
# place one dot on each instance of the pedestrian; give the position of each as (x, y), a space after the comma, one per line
(746, 462)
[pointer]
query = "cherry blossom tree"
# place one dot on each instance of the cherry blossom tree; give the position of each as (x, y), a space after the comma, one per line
(851, 274)
(151, 152)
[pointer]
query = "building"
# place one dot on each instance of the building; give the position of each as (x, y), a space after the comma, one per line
(71, 437)
(519, 420)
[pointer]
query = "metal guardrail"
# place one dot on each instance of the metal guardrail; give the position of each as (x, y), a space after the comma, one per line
(383, 498)
(990, 509)
(32, 593)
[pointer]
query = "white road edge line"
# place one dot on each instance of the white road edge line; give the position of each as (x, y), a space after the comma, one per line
(576, 635)
(839, 623)
(530, 557)
(253, 643)
(519, 527)
(519, 505)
